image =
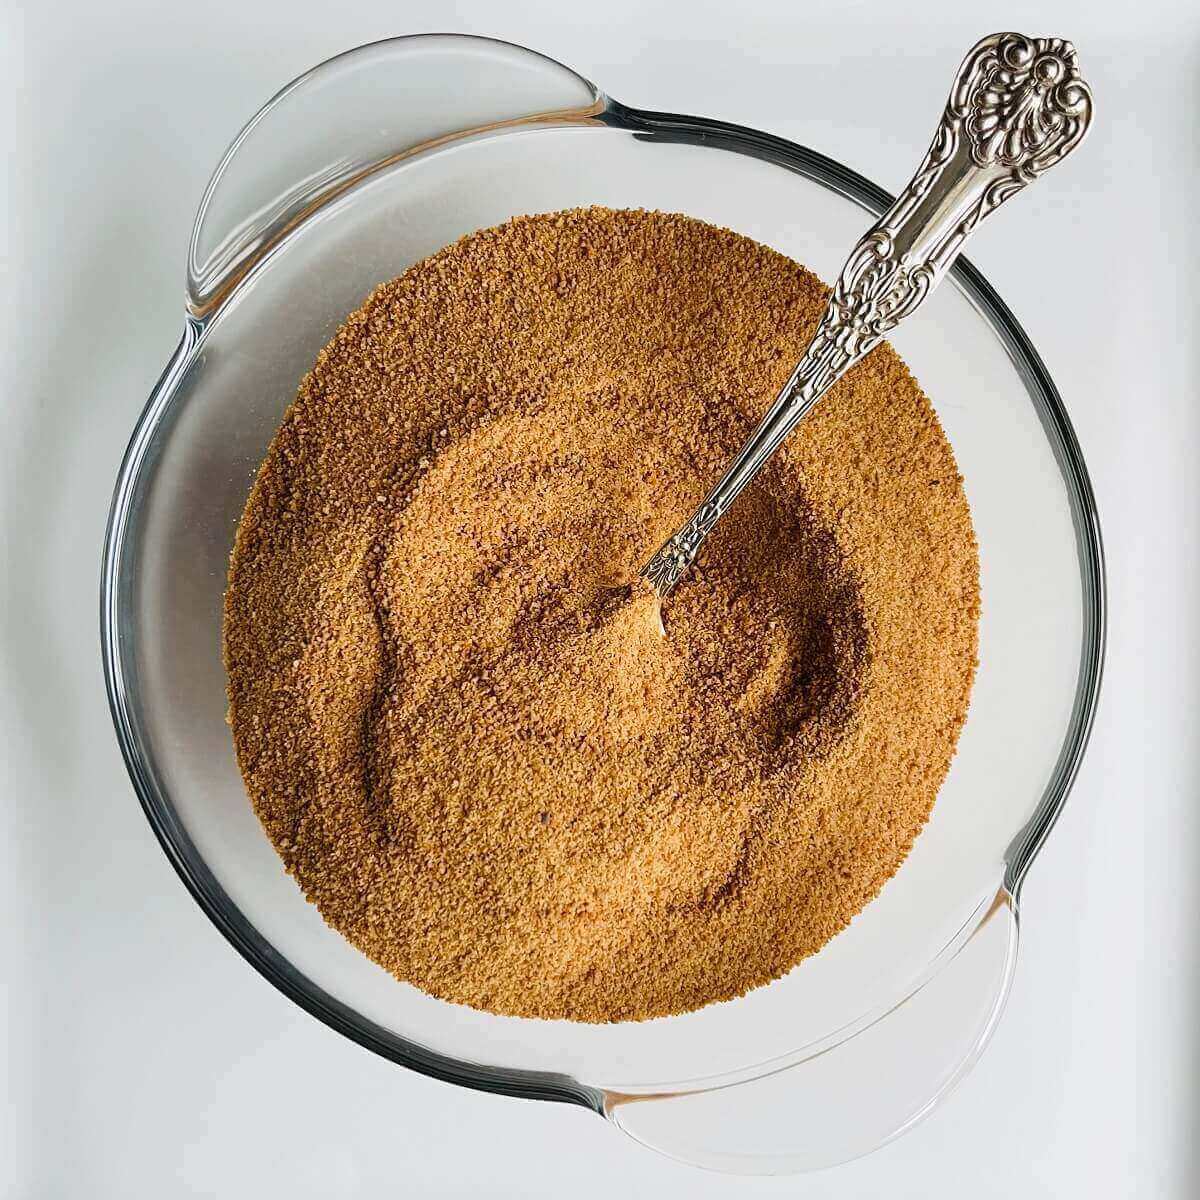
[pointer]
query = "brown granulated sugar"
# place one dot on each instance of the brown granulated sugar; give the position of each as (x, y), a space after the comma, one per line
(488, 768)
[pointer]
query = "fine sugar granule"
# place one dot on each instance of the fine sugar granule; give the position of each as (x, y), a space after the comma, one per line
(472, 747)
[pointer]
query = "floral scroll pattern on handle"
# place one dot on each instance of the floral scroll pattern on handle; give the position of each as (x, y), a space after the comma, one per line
(674, 557)
(874, 293)
(1022, 106)
(1022, 101)
(1017, 107)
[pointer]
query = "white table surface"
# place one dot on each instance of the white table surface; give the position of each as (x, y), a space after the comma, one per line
(144, 1058)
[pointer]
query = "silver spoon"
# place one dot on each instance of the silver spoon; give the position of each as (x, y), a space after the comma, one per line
(1017, 107)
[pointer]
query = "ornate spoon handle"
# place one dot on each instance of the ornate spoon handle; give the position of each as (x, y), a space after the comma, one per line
(1017, 107)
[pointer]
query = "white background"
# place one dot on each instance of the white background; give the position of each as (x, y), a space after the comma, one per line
(144, 1058)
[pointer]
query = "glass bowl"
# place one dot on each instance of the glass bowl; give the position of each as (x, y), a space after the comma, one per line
(369, 163)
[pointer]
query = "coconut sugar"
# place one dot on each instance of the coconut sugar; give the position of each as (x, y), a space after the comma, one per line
(467, 736)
